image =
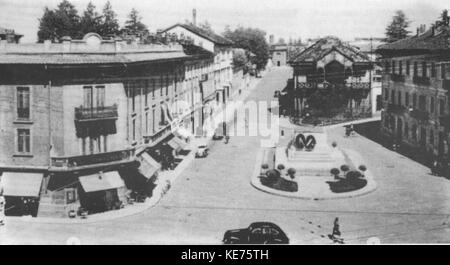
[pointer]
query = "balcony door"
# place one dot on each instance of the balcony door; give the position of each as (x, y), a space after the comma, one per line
(91, 92)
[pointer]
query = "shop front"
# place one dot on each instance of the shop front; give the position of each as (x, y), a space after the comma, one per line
(21, 192)
(102, 192)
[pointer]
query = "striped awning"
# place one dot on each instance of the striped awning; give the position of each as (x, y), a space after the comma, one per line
(148, 165)
(101, 181)
(21, 184)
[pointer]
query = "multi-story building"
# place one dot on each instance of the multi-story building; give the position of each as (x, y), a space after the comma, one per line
(82, 120)
(10, 35)
(220, 72)
(415, 90)
(331, 67)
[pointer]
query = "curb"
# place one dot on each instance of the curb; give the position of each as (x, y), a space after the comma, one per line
(138, 208)
(370, 187)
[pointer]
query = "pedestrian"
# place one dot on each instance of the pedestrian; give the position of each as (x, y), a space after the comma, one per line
(434, 167)
(2, 205)
(336, 234)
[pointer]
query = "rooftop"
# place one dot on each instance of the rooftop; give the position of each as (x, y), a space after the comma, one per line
(92, 49)
(216, 38)
(4, 31)
(324, 46)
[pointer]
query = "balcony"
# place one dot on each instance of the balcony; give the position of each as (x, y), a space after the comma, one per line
(446, 85)
(159, 135)
(91, 161)
(420, 115)
(352, 85)
(397, 78)
(96, 113)
(358, 85)
(396, 109)
(444, 120)
(420, 80)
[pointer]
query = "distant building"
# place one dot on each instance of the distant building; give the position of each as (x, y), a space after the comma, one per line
(416, 91)
(330, 66)
(221, 47)
(368, 46)
(9, 35)
(279, 54)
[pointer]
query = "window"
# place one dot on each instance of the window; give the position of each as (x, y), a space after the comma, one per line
(162, 85)
(431, 105)
(146, 123)
(443, 75)
(23, 102)
(167, 84)
(386, 67)
(407, 99)
(415, 69)
(100, 96)
(422, 103)
(23, 141)
(399, 98)
(424, 69)
(133, 96)
(392, 96)
(153, 87)
(153, 120)
(407, 67)
(433, 69)
(393, 67)
(406, 130)
(441, 107)
(145, 85)
(386, 94)
(88, 97)
(134, 130)
(414, 133)
(414, 101)
(432, 137)
(400, 67)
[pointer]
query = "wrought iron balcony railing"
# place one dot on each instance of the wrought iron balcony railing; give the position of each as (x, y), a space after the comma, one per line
(96, 113)
(421, 80)
(352, 85)
(75, 162)
(397, 78)
(420, 115)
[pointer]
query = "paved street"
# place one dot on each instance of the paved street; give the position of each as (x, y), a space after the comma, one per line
(214, 194)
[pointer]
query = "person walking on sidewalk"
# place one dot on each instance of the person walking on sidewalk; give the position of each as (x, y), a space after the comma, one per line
(336, 234)
(2, 205)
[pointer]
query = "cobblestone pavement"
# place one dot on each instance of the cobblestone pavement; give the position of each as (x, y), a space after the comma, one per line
(214, 194)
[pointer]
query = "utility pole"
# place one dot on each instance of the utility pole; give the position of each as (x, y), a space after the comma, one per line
(370, 77)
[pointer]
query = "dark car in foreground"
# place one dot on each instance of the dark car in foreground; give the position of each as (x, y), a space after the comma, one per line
(256, 233)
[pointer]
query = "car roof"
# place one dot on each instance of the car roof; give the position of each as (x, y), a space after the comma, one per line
(266, 224)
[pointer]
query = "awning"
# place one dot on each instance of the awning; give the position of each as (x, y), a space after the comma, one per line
(21, 184)
(176, 143)
(183, 133)
(101, 181)
(148, 165)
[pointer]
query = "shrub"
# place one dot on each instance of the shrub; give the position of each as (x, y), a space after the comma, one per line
(345, 168)
(264, 166)
(334, 144)
(291, 172)
(353, 175)
(335, 171)
(281, 167)
(363, 168)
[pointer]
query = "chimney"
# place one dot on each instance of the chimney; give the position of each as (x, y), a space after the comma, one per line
(66, 40)
(194, 17)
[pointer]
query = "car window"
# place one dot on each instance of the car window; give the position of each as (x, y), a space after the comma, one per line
(257, 231)
(275, 232)
(266, 231)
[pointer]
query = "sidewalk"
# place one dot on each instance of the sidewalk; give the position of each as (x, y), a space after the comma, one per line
(165, 180)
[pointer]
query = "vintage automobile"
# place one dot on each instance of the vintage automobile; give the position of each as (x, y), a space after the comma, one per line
(256, 233)
(202, 151)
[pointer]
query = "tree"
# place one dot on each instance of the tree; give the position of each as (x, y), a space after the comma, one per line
(239, 58)
(91, 21)
(253, 40)
(134, 25)
(63, 21)
(109, 24)
(281, 41)
(206, 26)
(398, 28)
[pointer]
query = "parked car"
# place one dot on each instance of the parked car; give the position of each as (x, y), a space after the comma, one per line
(256, 233)
(202, 151)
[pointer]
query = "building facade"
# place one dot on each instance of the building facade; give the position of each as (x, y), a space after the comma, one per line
(86, 122)
(415, 91)
(221, 71)
(279, 55)
(334, 68)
